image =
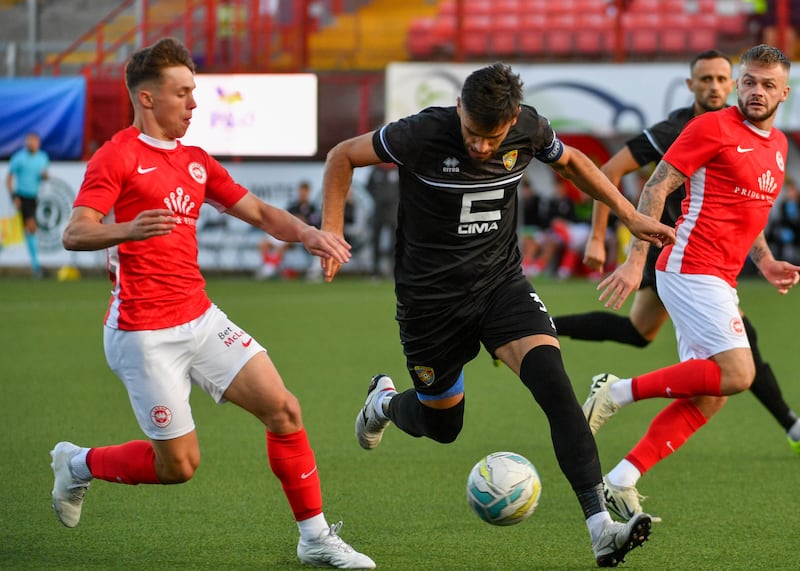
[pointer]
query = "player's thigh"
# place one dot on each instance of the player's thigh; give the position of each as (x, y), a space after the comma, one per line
(648, 314)
(154, 367)
(259, 389)
(516, 320)
(437, 343)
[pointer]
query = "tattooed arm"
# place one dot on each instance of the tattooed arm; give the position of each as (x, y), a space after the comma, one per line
(626, 278)
(780, 274)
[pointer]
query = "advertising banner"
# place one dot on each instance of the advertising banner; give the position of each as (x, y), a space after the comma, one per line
(597, 99)
(55, 108)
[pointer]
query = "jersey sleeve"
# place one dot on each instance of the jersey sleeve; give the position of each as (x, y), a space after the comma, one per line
(699, 141)
(394, 142)
(222, 191)
(103, 180)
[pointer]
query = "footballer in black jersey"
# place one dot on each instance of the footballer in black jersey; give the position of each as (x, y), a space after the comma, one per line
(459, 282)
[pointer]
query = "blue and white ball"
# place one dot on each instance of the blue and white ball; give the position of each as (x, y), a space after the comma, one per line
(503, 488)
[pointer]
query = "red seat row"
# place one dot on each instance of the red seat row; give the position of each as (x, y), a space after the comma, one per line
(504, 32)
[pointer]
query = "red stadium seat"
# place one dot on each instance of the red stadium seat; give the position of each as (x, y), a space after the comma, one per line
(503, 34)
(420, 38)
(559, 34)
(644, 6)
(475, 34)
(641, 32)
(703, 33)
(673, 34)
(475, 7)
(594, 34)
(530, 38)
(506, 7)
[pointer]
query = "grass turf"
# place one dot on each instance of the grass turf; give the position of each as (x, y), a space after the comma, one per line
(728, 498)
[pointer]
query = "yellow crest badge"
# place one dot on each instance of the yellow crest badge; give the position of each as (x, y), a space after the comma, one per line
(510, 159)
(425, 374)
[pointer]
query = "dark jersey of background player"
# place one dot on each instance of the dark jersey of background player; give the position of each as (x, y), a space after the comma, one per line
(439, 256)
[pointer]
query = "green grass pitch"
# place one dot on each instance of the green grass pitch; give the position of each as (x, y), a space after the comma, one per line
(728, 499)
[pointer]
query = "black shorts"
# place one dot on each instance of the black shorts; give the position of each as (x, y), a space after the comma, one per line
(28, 207)
(438, 341)
(649, 272)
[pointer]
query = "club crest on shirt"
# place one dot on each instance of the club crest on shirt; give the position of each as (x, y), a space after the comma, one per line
(510, 159)
(737, 326)
(161, 416)
(425, 374)
(779, 160)
(198, 172)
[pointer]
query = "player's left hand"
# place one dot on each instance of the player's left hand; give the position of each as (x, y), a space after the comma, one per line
(617, 286)
(781, 274)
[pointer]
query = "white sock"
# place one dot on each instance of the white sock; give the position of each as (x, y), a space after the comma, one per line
(79, 467)
(597, 523)
(311, 528)
(794, 431)
(624, 474)
(378, 404)
(622, 392)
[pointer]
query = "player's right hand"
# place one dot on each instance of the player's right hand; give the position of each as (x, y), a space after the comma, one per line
(151, 223)
(594, 255)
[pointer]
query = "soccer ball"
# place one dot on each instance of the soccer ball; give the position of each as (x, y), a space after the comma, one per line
(503, 488)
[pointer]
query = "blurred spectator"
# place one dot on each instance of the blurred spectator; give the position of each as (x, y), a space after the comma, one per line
(563, 241)
(770, 33)
(274, 251)
(532, 225)
(383, 186)
(783, 230)
(27, 169)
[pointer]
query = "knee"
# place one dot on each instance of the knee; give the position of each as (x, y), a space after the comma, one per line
(738, 380)
(283, 415)
(444, 425)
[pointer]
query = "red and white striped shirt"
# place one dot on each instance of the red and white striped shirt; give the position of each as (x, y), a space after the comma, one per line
(735, 173)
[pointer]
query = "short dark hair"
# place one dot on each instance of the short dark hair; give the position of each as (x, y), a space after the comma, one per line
(147, 63)
(765, 55)
(492, 95)
(709, 54)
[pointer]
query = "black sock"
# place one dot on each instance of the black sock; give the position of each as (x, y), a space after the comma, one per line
(765, 385)
(416, 419)
(542, 371)
(600, 326)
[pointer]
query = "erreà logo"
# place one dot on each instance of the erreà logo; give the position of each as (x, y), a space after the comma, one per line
(450, 164)
(179, 202)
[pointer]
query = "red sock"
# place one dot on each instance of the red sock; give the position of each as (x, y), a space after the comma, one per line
(292, 461)
(129, 463)
(668, 431)
(690, 378)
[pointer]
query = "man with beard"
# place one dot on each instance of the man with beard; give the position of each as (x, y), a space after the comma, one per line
(458, 278)
(732, 164)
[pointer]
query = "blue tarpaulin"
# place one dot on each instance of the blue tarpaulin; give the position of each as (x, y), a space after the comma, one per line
(55, 108)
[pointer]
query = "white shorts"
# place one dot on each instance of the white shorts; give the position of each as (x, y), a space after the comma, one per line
(705, 313)
(159, 366)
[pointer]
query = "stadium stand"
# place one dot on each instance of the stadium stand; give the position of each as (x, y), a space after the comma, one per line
(574, 29)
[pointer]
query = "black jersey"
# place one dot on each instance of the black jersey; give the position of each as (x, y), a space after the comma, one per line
(650, 145)
(457, 217)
